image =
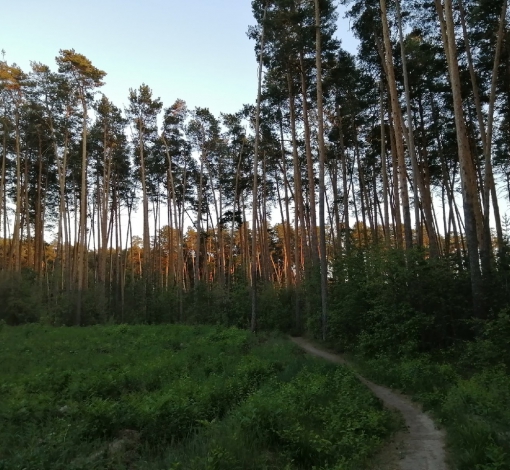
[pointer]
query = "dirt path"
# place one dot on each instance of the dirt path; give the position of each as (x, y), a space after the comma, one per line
(422, 447)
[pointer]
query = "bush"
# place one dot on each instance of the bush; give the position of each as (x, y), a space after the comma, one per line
(391, 302)
(21, 299)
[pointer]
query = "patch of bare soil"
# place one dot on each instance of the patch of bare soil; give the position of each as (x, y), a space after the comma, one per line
(421, 447)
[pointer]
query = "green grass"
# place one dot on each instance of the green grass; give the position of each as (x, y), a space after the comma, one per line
(178, 397)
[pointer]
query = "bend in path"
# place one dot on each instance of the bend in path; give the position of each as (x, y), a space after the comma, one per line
(423, 443)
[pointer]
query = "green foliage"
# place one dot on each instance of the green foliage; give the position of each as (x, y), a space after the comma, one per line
(475, 414)
(473, 410)
(20, 302)
(408, 320)
(177, 397)
(492, 346)
(337, 418)
(396, 303)
(28, 301)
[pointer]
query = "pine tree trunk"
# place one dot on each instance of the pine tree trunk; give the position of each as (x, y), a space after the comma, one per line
(298, 205)
(309, 165)
(254, 257)
(322, 183)
(82, 234)
(384, 170)
(145, 274)
(15, 257)
(286, 220)
(472, 209)
(418, 181)
(345, 183)
(399, 130)
(3, 196)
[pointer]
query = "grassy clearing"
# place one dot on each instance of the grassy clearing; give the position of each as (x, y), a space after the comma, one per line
(177, 397)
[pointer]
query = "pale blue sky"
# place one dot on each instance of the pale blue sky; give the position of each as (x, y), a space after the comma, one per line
(196, 50)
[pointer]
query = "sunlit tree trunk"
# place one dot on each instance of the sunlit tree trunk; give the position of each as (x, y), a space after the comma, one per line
(15, 255)
(486, 131)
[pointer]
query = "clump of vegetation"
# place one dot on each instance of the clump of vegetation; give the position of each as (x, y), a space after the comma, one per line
(179, 397)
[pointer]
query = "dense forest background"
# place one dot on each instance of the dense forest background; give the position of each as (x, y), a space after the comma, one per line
(361, 198)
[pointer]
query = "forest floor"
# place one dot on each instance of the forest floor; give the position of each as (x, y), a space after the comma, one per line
(421, 447)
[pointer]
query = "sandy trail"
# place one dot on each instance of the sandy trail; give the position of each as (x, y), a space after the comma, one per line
(422, 447)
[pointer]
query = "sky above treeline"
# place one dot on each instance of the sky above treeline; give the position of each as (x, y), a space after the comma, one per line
(196, 50)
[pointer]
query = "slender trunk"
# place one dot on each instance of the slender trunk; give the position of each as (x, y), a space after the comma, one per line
(218, 216)
(399, 130)
(343, 156)
(264, 240)
(333, 211)
(419, 184)
(15, 258)
(322, 184)
(145, 207)
(29, 263)
(82, 238)
(105, 197)
(285, 221)
(221, 240)
(253, 325)
(486, 132)
(298, 204)
(384, 171)
(472, 209)
(490, 186)
(309, 166)
(231, 265)
(362, 188)
(39, 226)
(199, 223)
(3, 195)
(396, 194)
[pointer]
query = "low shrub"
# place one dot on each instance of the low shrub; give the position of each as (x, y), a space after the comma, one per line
(191, 397)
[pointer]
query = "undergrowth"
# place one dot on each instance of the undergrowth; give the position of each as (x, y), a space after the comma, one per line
(178, 397)
(408, 323)
(473, 409)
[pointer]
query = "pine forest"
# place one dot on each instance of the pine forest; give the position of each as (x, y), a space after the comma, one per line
(360, 201)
